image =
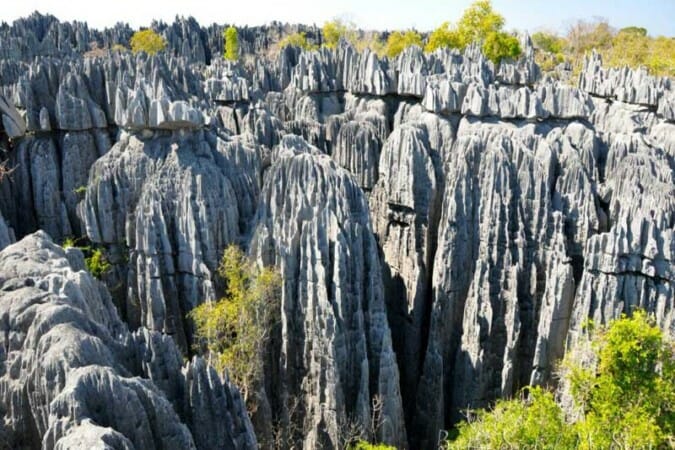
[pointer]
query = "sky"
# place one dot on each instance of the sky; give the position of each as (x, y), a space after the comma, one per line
(658, 16)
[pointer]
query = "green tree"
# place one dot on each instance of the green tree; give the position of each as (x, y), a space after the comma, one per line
(548, 42)
(147, 41)
(231, 37)
(399, 41)
(479, 23)
(627, 399)
(443, 37)
(296, 40)
(531, 422)
(235, 330)
(498, 45)
(365, 445)
(623, 390)
(335, 29)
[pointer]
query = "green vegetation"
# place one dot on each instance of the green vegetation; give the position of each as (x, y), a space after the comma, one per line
(336, 29)
(623, 390)
(147, 41)
(364, 445)
(629, 46)
(399, 41)
(297, 40)
(479, 23)
(94, 258)
(97, 263)
(231, 37)
(236, 329)
(498, 46)
(118, 48)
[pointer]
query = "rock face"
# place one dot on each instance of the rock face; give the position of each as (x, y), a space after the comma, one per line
(336, 352)
(72, 375)
(443, 226)
(173, 202)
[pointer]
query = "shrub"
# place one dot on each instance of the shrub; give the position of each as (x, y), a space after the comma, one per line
(498, 46)
(297, 40)
(333, 30)
(399, 41)
(364, 445)
(147, 41)
(624, 393)
(97, 263)
(535, 421)
(231, 37)
(479, 23)
(443, 37)
(236, 329)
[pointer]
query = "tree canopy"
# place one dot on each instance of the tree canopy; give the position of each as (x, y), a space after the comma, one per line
(296, 40)
(231, 37)
(622, 383)
(479, 23)
(236, 329)
(147, 41)
(399, 41)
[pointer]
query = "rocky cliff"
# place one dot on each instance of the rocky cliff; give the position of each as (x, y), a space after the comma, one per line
(443, 227)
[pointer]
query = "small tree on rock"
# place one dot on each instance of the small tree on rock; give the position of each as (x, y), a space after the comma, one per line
(235, 330)
(147, 41)
(231, 37)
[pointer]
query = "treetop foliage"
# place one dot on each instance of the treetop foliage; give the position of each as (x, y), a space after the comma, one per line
(236, 329)
(399, 41)
(231, 37)
(297, 40)
(147, 41)
(624, 393)
(479, 23)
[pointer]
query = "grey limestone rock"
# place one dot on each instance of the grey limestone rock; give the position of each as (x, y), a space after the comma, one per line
(72, 376)
(137, 198)
(335, 349)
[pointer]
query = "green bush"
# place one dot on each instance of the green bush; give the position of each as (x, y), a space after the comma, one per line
(364, 445)
(399, 41)
(147, 41)
(625, 399)
(296, 40)
(97, 263)
(479, 23)
(498, 46)
(231, 37)
(235, 329)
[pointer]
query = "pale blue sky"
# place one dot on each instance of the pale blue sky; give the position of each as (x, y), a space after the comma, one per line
(658, 16)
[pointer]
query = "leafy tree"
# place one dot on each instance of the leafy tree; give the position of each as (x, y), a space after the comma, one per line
(624, 393)
(236, 329)
(498, 45)
(627, 398)
(365, 445)
(147, 41)
(583, 36)
(372, 41)
(443, 37)
(97, 263)
(661, 58)
(548, 42)
(231, 37)
(535, 421)
(399, 41)
(479, 23)
(335, 29)
(296, 40)
(634, 30)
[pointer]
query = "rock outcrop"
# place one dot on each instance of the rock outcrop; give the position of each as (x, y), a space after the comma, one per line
(72, 376)
(335, 351)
